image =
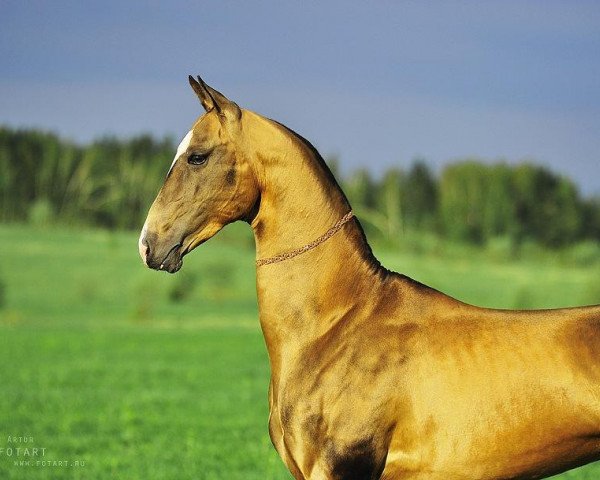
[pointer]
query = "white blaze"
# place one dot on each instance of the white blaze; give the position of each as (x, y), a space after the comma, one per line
(141, 246)
(183, 146)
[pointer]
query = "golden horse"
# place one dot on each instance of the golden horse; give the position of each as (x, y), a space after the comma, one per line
(374, 375)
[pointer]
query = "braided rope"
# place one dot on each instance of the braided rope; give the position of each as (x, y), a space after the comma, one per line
(293, 253)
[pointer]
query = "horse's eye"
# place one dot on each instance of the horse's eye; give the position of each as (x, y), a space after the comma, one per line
(197, 159)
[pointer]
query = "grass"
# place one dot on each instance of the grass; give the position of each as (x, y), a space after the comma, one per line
(141, 375)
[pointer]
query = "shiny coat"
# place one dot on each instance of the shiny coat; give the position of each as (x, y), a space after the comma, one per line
(374, 375)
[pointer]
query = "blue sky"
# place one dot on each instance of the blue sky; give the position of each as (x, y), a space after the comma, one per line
(376, 83)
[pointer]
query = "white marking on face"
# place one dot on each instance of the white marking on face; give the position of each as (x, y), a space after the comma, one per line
(183, 146)
(141, 246)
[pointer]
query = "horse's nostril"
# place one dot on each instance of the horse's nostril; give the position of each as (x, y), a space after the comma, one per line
(144, 248)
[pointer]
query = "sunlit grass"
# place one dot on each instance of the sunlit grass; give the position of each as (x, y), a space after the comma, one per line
(107, 362)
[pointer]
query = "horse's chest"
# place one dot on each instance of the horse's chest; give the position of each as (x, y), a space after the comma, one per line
(333, 408)
(326, 432)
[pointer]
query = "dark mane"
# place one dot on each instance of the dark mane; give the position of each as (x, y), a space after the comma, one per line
(317, 156)
(360, 237)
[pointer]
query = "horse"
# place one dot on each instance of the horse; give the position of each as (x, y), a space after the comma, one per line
(373, 375)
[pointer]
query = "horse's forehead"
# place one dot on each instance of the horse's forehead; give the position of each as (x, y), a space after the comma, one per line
(204, 129)
(183, 146)
(185, 143)
(199, 132)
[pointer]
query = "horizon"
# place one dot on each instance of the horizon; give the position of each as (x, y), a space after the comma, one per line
(340, 174)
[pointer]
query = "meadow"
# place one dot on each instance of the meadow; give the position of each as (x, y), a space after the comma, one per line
(122, 372)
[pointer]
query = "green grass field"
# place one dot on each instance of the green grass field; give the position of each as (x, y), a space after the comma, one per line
(143, 375)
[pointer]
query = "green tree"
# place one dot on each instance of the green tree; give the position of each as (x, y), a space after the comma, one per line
(111, 182)
(389, 203)
(591, 218)
(548, 207)
(498, 208)
(361, 190)
(462, 200)
(420, 196)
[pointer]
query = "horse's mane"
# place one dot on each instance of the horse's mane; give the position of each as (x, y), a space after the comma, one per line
(360, 236)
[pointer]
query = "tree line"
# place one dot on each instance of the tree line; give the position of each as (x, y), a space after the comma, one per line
(475, 202)
(111, 182)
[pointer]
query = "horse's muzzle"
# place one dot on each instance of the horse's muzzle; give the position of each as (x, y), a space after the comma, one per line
(157, 257)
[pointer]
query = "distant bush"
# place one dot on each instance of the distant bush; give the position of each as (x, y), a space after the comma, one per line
(145, 296)
(87, 289)
(524, 299)
(41, 213)
(502, 248)
(183, 286)
(2, 293)
(221, 280)
(591, 294)
(584, 253)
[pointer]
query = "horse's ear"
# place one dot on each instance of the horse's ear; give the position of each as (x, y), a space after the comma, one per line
(211, 98)
(205, 98)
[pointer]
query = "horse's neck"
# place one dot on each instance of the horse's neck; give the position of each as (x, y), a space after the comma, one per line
(301, 297)
(299, 201)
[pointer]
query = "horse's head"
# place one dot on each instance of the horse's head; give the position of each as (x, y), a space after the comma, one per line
(210, 184)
